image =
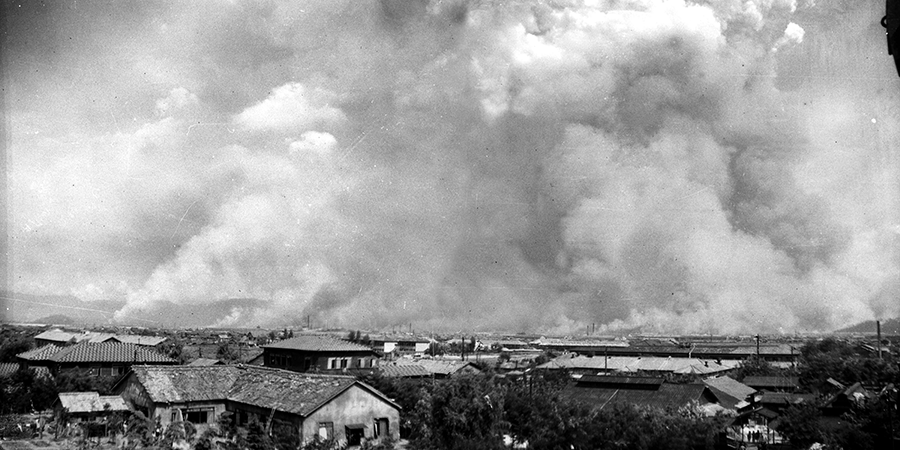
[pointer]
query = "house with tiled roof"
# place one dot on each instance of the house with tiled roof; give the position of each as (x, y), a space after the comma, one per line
(603, 391)
(305, 404)
(315, 353)
(104, 359)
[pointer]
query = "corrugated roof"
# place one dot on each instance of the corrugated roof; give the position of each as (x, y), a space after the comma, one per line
(87, 402)
(63, 337)
(205, 362)
(148, 341)
(283, 390)
(597, 380)
(313, 343)
(638, 363)
(668, 395)
(553, 342)
(772, 382)
(729, 390)
(783, 398)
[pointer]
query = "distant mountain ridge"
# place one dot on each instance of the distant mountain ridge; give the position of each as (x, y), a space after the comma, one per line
(18, 307)
(70, 310)
(888, 326)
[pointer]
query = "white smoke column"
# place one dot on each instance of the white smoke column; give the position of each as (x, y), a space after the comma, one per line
(535, 166)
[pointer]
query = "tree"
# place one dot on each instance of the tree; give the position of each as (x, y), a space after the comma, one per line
(227, 353)
(257, 438)
(464, 412)
(174, 348)
(11, 348)
(205, 441)
(756, 367)
(227, 425)
(800, 425)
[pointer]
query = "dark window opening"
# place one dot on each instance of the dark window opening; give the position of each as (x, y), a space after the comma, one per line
(197, 417)
(355, 434)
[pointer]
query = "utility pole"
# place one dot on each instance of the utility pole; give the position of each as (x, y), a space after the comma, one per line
(757, 348)
(878, 328)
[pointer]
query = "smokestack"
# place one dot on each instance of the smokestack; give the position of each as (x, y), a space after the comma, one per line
(878, 331)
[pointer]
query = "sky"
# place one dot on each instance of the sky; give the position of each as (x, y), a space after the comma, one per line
(667, 166)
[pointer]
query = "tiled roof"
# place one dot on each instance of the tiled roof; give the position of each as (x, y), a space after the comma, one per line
(175, 384)
(314, 343)
(87, 402)
(283, 390)
(287, 391)
(7, 369)
(110, 352)
(87, 352)
(439, 366)
(40, 354)
(403, 371)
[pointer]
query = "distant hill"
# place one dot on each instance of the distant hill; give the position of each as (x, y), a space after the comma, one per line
(200, 314)
(18, 307)
(70, 310)
(56, 319)
(888, 326)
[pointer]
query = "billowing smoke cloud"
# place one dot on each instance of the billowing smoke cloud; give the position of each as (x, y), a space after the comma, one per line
(659, 165)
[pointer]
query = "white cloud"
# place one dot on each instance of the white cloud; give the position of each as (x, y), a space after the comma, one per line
(293, 108)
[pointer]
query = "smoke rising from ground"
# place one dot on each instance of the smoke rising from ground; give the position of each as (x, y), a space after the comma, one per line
(670, 166)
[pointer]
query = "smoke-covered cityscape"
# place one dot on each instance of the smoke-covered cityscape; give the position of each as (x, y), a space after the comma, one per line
(449, 224)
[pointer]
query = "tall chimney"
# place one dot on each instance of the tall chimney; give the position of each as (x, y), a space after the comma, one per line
(878, 328)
